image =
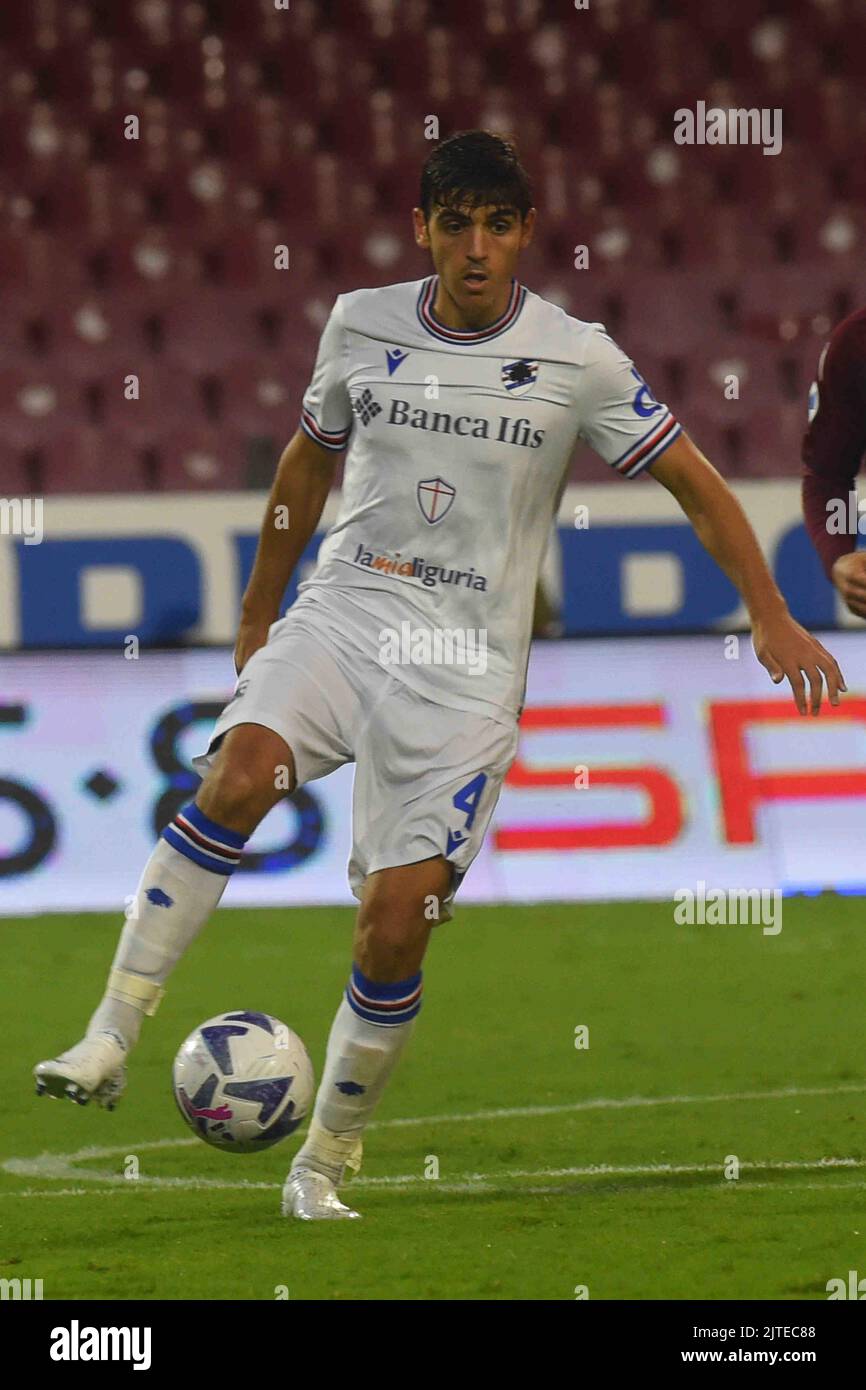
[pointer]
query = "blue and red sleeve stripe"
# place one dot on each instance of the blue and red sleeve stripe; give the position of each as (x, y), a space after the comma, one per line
(329, 439)
(645, 450)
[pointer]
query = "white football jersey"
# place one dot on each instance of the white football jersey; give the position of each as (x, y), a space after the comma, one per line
(458, 442)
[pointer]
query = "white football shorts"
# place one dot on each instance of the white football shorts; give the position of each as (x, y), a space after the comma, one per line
(427, 777)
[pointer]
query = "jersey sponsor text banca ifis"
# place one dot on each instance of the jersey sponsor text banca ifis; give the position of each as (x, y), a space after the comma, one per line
(458, 442)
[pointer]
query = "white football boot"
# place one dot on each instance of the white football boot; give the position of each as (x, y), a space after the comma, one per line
(311, 1196)
(91, 1070)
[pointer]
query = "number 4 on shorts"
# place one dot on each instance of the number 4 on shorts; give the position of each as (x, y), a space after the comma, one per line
(468, 797)
(465, 800)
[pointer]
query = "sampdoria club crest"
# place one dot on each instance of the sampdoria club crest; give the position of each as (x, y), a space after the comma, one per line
(519, 377)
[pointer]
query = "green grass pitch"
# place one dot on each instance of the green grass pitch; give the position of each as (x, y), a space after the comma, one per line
(559, 1167)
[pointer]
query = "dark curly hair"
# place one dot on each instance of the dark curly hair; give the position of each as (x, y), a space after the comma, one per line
(472, 169)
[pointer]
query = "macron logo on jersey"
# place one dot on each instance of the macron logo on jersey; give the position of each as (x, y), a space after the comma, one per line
(395, 357)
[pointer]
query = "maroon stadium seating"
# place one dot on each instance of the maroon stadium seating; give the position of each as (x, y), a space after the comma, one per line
(200, 459)
(305, 128)
(90, 459)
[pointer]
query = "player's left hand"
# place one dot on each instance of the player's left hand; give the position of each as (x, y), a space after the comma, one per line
(252, 634)
(787, 649)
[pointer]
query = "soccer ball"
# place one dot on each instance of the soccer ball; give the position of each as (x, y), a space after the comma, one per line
(243, 1081)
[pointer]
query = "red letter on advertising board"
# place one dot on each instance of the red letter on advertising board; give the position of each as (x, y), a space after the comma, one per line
(665, 817)
(742, 790)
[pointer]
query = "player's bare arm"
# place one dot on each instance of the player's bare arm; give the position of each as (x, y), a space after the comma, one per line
(781, 645)
(303, 480)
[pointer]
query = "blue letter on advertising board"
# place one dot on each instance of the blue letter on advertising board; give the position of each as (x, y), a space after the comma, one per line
(50, 580)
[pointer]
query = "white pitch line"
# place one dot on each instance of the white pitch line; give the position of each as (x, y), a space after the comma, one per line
(58, 1167)
(596, 1170)
(55, 1162)
(465, 1182)
(113, 1150)
(625, 1103)
(452, 1188)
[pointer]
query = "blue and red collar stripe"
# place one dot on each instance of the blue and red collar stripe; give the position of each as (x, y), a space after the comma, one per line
(427, 295)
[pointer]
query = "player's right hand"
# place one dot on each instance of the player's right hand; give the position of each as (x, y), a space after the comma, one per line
(252, 634)
(849, 577)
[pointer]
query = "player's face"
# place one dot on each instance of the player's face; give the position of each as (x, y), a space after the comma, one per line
(475, 253)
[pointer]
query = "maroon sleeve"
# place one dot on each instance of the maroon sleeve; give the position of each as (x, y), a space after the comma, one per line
(835, 440)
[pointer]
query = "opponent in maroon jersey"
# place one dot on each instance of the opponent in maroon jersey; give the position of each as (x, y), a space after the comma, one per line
(833, 449)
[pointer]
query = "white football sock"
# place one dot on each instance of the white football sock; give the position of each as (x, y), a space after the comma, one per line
(361, 1057)
(183, 881)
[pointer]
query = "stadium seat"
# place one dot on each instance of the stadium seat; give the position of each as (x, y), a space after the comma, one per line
(16, 478)
(773, 439)
(718, 442)
(90, 460)
(208, 331)
(730, 379)
(36, 402)
(672, 311)
(200, 459)
(90, 335)
(39, 262)
(167, 398)
(779, 305)
(258, 399)
(158, 259)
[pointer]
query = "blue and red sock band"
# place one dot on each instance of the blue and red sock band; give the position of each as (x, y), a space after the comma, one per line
(204, 842)
(387, 1005)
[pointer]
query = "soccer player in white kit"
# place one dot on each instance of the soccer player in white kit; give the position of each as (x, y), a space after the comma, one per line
(459, 399)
